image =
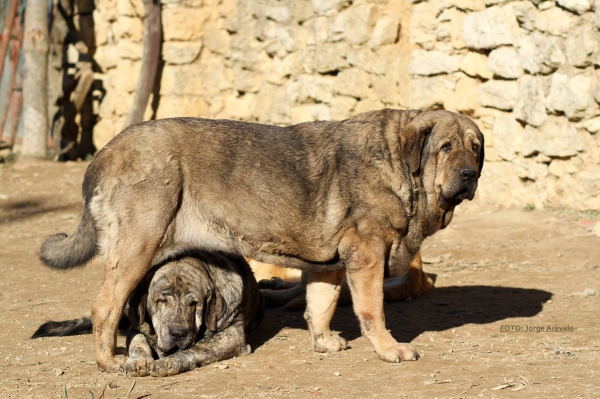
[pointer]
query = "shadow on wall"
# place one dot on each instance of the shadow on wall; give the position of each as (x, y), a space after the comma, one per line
(73, 90)
(442, 309)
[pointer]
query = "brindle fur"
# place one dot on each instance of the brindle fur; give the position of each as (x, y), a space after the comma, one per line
(349, 198)
(189, 313)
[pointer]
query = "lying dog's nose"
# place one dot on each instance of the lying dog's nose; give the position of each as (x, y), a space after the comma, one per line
(467, 174)
(177, 333)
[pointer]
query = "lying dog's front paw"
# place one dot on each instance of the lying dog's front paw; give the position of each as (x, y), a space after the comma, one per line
(330, 343)
(166, 366)
(397, 353)
(139, 366)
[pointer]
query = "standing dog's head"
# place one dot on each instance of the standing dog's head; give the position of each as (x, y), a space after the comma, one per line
(180, 298)
(446, 150)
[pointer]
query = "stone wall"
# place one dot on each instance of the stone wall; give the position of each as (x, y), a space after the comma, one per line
(525, 71)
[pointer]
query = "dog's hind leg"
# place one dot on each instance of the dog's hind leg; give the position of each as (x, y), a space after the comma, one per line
(119, 282)
(136, 223)
(322, 294)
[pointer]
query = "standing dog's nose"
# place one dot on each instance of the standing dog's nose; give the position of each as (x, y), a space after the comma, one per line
(467, 174)
(177, 333)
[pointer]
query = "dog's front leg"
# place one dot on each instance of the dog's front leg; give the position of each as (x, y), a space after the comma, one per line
(225, 344)
(365, 261)
(322, 294)
(140, 360)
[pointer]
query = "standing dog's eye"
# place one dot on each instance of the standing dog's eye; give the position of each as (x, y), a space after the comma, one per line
(447, 147)
(475, 147)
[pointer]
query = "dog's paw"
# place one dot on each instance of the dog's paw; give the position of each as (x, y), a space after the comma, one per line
(166, 366)
(398, 353)
(139, 366)
(330, 343)
(114, 364)
(274, 283)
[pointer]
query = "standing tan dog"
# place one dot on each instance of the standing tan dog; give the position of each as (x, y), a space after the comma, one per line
(336, 198)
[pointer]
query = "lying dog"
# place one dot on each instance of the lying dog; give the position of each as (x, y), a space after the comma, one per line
(289, 291)
(189, 313)
(352, 198)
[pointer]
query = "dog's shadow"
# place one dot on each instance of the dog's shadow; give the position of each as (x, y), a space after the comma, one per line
(441, 309)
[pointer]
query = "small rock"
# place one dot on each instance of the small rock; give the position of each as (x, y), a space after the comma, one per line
(58, 372)
(587, 293)
(298, 361)
(337, 374)
(446, 257)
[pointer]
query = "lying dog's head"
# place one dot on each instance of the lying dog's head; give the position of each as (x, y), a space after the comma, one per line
(180, 299)
(446, 150)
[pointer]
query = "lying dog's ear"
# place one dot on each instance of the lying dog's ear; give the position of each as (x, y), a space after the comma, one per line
(412, 138)
(135, 310)
(213, 309)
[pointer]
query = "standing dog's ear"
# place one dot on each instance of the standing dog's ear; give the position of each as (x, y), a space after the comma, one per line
(412, 138)
(213, 310)
(481, 154)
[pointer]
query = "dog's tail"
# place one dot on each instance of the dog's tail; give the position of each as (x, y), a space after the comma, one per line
(64, 328)
(62, 252)
(67, 328)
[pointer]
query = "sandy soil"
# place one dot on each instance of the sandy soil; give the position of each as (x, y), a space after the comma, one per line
(529, 270)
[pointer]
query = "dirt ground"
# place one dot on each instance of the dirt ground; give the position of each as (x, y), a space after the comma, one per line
(496, 270)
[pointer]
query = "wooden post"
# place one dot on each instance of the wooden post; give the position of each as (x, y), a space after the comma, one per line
(14, 71)
(150, 59)
(35, 80)
(10, 18)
